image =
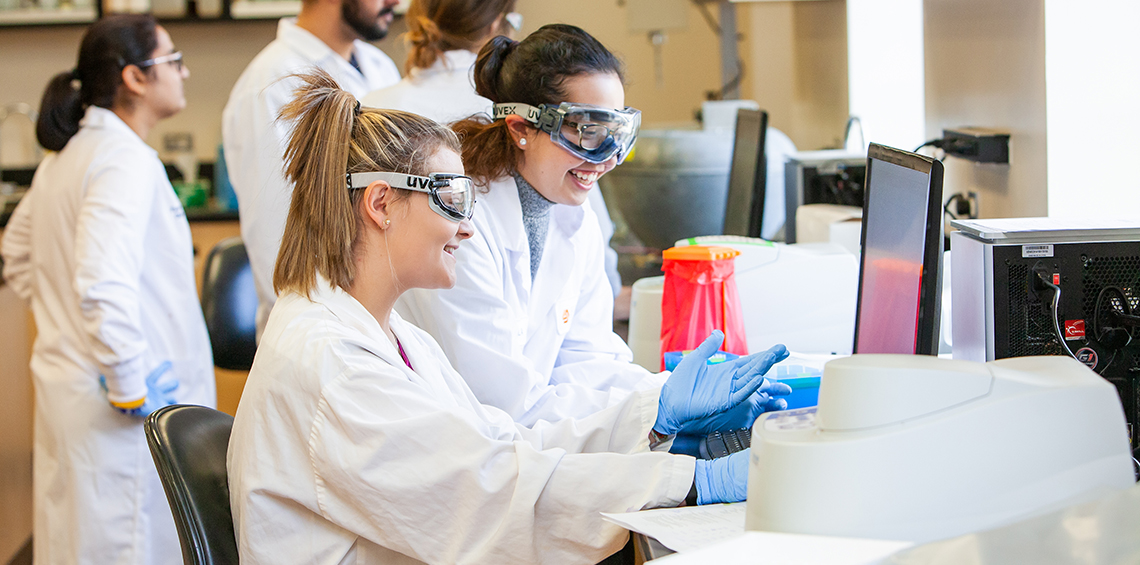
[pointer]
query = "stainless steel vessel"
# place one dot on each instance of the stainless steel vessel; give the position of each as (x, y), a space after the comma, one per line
(674, 185)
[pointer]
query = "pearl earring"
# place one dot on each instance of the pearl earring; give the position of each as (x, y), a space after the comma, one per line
(387, 223)
(522, 142)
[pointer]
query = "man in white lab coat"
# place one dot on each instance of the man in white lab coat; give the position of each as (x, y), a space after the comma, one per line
(331, 35)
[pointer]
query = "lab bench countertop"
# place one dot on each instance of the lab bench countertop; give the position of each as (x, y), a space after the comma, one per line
(202, 214)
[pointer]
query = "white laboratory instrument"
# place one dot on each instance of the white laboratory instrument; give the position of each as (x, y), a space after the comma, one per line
(802, 296)
(918, 448)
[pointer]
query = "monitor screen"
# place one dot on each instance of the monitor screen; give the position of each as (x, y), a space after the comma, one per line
(744, 209)
(899, 284)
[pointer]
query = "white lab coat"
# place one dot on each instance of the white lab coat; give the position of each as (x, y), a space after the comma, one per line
(254, 142)
(445, 92)
(541, 351)
(101, 247)
(777, 147)
(342, 454)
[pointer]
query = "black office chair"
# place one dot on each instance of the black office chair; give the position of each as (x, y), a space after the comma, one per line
(229, 303)
(188, 444)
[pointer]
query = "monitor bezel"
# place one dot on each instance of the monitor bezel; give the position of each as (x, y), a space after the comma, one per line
(930, 285)
(754, 196)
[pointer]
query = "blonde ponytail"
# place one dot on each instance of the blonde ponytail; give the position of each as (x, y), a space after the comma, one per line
(316, 161)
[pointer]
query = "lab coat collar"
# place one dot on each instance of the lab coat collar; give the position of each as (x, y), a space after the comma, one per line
(310, 46)
(350, 311)
(505, 195)
(448, 61)
(97, 117)
(569, 218)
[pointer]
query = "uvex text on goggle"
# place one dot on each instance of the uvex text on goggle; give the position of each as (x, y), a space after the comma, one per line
(590, 132)
(452, 196)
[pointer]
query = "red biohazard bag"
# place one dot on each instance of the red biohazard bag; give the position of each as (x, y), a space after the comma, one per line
(699, 297)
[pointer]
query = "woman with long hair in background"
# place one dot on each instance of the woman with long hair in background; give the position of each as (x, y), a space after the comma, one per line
(101, 247)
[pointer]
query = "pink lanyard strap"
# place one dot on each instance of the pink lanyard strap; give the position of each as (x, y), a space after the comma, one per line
(403, 355)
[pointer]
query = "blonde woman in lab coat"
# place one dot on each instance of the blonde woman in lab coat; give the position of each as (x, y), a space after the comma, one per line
(101, 247)
(356, 441)
(529, 323)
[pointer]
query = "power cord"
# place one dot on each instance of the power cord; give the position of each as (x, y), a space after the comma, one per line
(1044, 281)
(956, 146)
(936, 143)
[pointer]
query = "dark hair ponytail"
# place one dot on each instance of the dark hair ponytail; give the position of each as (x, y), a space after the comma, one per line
(489, 65)
(108, 46)
(531, 71)
(60, 112)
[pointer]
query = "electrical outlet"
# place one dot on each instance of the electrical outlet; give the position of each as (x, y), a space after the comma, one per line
(983, 145)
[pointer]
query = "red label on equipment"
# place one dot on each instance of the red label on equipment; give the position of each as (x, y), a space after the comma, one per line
(1074, 329)
(1057, 279)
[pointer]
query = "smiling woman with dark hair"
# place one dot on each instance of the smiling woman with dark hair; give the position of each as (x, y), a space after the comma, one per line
(529, 323)
(101, 247)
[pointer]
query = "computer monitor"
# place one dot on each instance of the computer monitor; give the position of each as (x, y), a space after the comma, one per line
(899, 274)
(744, 209)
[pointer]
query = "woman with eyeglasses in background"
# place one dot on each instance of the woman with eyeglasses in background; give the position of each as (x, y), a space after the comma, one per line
(101, 247)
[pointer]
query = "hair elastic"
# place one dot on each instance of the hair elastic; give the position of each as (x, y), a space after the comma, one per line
(357, 110)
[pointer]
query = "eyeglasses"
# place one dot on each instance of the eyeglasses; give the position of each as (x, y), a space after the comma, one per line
(175, 57)
(452, 196)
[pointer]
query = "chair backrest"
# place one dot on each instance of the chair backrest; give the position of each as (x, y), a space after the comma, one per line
(188, 444)
(229, 304)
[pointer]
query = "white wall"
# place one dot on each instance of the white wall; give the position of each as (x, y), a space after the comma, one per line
(985, 66)
(796, 67)
(1093, 91)
(885, 70)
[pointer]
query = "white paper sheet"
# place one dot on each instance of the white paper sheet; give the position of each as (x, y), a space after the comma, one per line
(771, 548)
(686, 528)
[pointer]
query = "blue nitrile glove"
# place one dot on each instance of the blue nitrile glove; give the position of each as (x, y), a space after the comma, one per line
(157, 394)
(724, 479)
(697, 390)
(743, 415)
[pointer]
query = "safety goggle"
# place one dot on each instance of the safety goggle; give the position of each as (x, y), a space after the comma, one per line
(175, 58)
(452, 196)
(589, 132)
